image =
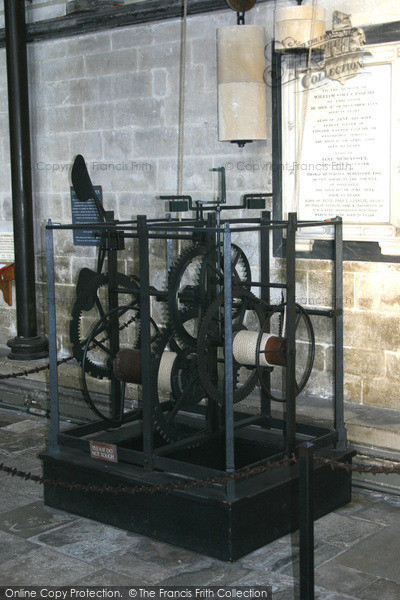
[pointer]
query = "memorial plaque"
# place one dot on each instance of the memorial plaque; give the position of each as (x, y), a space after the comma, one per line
(346, 154)
(6, 247)
(85, 212)
(344, 157)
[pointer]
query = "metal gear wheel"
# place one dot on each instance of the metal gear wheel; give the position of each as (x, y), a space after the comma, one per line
(249, 311)
(88, 308)
(100, 327)
(187, 287)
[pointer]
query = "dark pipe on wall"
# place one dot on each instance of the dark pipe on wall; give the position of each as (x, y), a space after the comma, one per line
(27, 345)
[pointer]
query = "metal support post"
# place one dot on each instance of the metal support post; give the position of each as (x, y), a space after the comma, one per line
(147, 391)
(170, 252)
(228, 352)
(51, 308)
(306, 520)
(213, 412)
(27, 345)
(266, 297)
(338, 331)
(112, 266)
(291, 333)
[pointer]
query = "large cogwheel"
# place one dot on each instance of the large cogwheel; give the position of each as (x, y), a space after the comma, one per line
(90, 306)
(188, 286)
(248, 312)
(183, 293)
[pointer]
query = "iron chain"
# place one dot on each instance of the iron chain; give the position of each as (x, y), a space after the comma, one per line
(168, 488)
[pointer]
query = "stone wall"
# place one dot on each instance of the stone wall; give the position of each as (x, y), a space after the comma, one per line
(113, 97)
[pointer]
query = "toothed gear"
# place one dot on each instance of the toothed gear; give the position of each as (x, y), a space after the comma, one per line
(186, 388)
(241, 272)
(88, 304)
(211, 337)
(194, 293)
(176, 296)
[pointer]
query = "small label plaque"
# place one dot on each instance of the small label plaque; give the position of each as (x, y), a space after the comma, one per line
(85, 212)
(102, 451)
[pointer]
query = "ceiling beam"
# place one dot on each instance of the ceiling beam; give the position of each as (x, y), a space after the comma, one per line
(108, 18)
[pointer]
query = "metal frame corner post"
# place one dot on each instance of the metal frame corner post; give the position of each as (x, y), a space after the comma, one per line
(276, 75)
(338, 334)
(51, 308)
(265, 296)
(144, 269)
(228, 352)
(291, 333)
(306, 520)
(27, 345)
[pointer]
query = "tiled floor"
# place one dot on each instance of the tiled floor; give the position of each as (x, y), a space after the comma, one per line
(357, 547)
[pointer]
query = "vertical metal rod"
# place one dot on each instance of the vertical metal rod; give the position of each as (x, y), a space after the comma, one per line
(147, 395)
(338, 335)
(112, 267)
(170, 254)
(213, 411)
(27, 345)
(266, 297)
(51, 308)
(228, 352)
(291, 333)
(306, 520)
(276, 99)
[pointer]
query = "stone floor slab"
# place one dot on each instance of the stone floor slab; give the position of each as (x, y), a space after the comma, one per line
(43, 567)
(381, 513)
(343, 531)
(10, 500)
(381, 589)
(166, 563)
(86, 540)
(360, 499)
(377, 555)
(338, 578)
(290, 564)
(214, 575)
(32, 519)
(17, 485)
(12, 546)
(105, 577)
(267, 557)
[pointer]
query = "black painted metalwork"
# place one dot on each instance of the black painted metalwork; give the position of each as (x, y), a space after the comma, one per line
(291, 334)
(52, 328)
(265, 295)
(338, 333)
(147, 383)
(228, 356)
(306, 520)
(216, 438)
(27, 345)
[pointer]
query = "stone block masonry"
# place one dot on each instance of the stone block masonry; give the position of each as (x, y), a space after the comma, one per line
(113, 97)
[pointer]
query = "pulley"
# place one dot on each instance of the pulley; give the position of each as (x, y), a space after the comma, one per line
(272, 349)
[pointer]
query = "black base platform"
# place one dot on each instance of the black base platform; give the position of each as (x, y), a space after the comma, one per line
(200, 519)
